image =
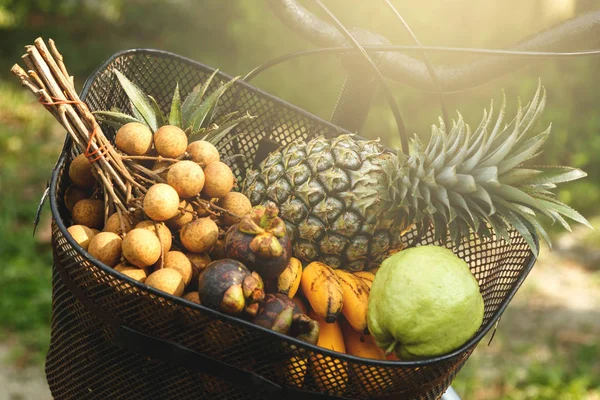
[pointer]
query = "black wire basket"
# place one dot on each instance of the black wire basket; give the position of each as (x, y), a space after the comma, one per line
(116, 338)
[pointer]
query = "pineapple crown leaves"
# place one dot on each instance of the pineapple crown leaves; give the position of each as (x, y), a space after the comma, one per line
(464, 182)
(197, 114)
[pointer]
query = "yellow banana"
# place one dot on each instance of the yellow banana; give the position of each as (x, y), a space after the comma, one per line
(366, 276)
(372, 379)
(374, 270)
(295, 370)
(289, 280)
(330, 374)
(358, 344)
(356, 299)
(322, 290)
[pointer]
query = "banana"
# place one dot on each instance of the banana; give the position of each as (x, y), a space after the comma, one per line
(374, 270)
(295, 370)
(330, 375)
(356, 299)
(366, 276)
(372, 379)
(289, 280)
(322, 289)
(358, 344)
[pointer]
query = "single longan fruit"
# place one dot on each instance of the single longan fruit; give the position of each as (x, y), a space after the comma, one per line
(199, 235)
(203, 152)
(159, 230)
(180, 263)
(81, 234)
(218, 180)
(72, 195)
(134, 139)
(170, 141)
(236, 203)
(186, 177)
(80, 172)
(113, 224)
(185, 215)
(199, 262)
(168, 280)
(194, 297)
(106, 248)
(141, 248)
(89, 213)
(161, 202)
(138, 274)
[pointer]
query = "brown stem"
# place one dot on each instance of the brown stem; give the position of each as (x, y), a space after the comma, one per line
(155, 158)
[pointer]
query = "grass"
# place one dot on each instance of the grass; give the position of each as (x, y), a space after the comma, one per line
(29, 144)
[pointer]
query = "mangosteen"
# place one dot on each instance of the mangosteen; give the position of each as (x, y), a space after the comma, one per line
(279, 313)
(228, 286)
(260, 241)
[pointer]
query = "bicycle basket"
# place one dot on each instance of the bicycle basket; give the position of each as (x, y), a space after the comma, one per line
(113, 337)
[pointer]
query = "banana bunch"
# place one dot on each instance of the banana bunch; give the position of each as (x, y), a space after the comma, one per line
(329, 292)
(338, 300)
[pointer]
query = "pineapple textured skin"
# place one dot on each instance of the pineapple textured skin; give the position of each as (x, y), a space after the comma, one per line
(348, 201)
(329, 194)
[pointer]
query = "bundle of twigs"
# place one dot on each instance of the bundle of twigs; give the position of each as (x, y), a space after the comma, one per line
(123, 179)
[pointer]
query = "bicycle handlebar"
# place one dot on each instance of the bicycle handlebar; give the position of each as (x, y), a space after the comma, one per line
(583, 30)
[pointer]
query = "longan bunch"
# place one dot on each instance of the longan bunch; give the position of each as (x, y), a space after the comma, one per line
(176, 228)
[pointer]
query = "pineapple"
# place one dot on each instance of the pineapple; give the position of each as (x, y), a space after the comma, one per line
(347, 201)
(196, 115)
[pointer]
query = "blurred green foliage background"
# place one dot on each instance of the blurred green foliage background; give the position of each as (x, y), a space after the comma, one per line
(237, 35)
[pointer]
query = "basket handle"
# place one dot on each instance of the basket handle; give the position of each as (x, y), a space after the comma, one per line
(175, 354)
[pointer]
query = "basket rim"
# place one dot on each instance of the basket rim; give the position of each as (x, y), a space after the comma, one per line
(54, 206)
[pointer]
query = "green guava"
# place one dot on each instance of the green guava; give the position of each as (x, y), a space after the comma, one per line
(424, 302)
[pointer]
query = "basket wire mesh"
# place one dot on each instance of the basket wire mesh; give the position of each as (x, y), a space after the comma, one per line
(113, 337)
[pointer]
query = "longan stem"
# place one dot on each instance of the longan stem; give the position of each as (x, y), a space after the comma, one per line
(207, 205)
(154, 158)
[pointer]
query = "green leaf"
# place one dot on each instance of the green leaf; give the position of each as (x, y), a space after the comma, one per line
(447, 177)
(226, 118)
(523, 227)
(500, 226)
(519, 176)
(560, 219)
(487, 175)
(539, 229)
(458, 201)
(175, 113)
(504, 149)
(553, 204)
(492, 136)
(217, 135)
(465, 184)
(194, 100)
(484, 197)
(557, 175)
(114, 118)
(513, 194)
(203, 112)
(160, 117)
(528, 152)
(139, 100)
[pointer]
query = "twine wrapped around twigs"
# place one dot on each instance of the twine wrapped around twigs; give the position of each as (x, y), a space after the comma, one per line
(123, 179)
